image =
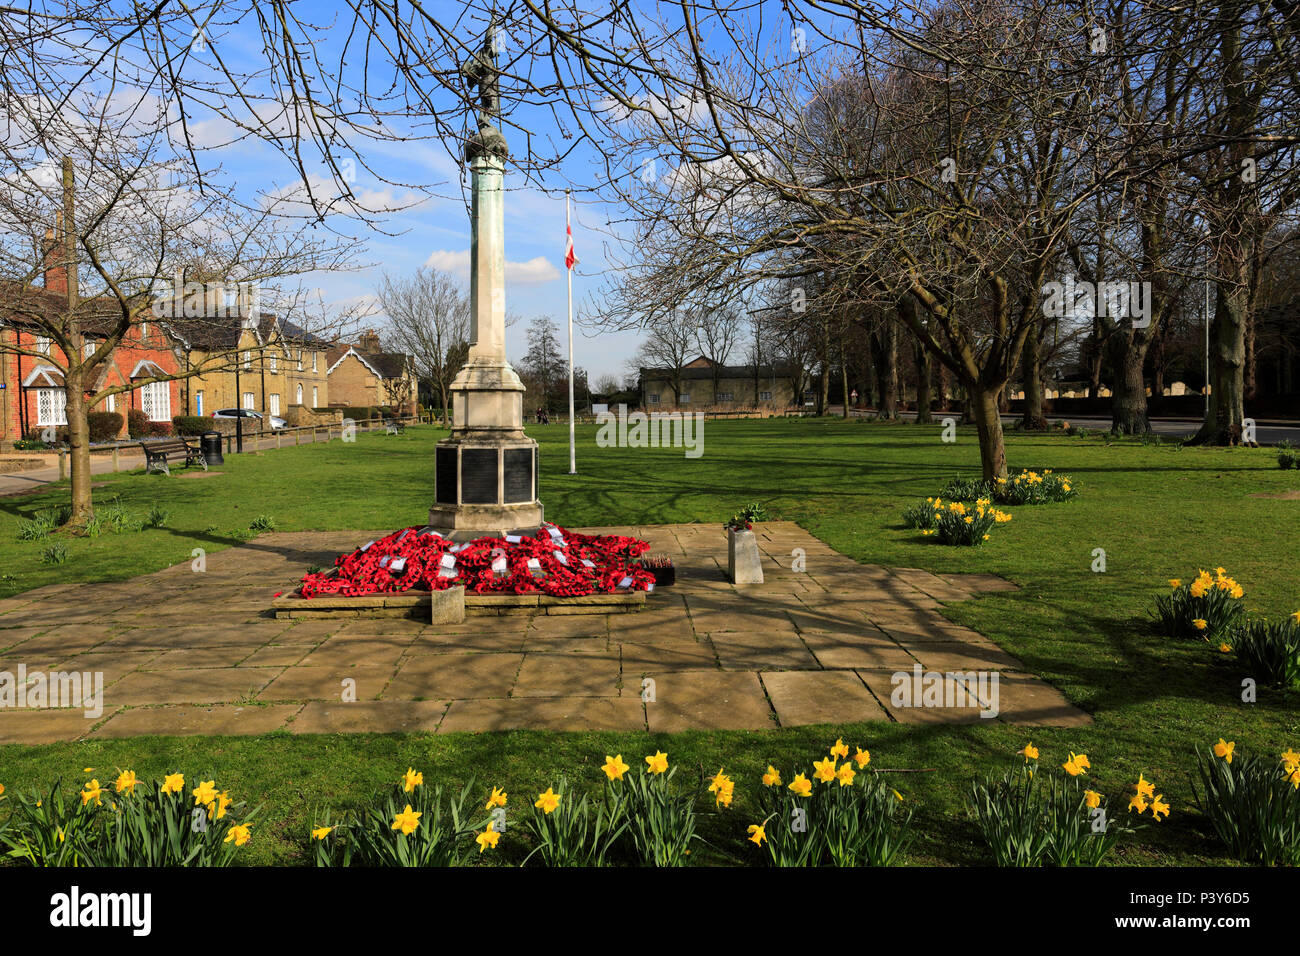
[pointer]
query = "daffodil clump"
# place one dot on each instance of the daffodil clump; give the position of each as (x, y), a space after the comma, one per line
(1053, 817)
(1208, 607)
(845, 814)
(409, 824)
(128, 822)
(957, 523)
(923, 516)
(1269, 650)
(1253, 802)
(1034, 488)
(577, 831)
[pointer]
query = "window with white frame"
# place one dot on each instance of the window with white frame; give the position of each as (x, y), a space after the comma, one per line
(248, 361)
(43, 344)
(87, 348)
(298, 395)
(198, 403)
(300, 360)
(275, 403)
(315, 397)
(764, 396)
(273, 364)
(685, 399)
(726, 396)
(248, 400)
(156, 401)
(110, 403)
(51, 406)
(652, 398)
(313, 360)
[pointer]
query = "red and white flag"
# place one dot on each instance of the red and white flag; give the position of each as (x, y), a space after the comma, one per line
(569, 257)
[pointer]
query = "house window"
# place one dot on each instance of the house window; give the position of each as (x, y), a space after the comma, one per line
(110, 404)
(313, 361)
(275, 403)
(726, 396)
(198, 403)
(156, 401)
(43, 344)
(273, 364)
(248, 400)
(315, 397)
(764, 396)
(51, 406)
(298, 394)
(87, 349)
(300, 360)
(144, 332)
(248, 361)
(685, 399)
(652, 398)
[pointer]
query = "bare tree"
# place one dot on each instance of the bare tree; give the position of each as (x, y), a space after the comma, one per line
(428, 319)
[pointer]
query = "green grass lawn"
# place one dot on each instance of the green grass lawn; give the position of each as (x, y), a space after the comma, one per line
(1158, 511)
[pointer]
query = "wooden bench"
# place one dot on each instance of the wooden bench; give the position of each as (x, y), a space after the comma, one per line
(158, 454)
(394, 427)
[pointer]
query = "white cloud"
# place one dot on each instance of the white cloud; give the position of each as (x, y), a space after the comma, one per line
(533, 272)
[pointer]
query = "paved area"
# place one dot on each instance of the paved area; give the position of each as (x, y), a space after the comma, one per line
(189, 652)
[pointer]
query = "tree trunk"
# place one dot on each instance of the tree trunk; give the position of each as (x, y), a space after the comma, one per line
(844, 371)
(942, 389)
(1223, 419)
(1128, 404)
(78, 448)
(988, 425)
(1031, 362)
(923, 368)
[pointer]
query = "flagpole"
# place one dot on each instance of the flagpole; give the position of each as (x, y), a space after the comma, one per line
(573, 457)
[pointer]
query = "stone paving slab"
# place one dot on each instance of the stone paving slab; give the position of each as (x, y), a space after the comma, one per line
(182, 652)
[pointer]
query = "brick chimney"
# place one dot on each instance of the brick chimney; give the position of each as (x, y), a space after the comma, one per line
(56, 276)
(369, 341)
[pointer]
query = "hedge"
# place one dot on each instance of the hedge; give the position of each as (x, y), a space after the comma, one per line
(104, 426)
(193, 424)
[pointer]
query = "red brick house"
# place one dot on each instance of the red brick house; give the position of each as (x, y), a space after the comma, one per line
(32, 392)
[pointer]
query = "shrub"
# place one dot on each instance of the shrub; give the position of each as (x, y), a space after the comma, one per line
(847, 817)
(922, 516)
(55, 553)
(966, 489)
(157, 517)
(1033, 488)
(1207, 607)
(1287, 457)
(1029, 817)
(576, 832)
(137, 424)
(407, 825)
(262, 523)
(1270, 650)
(104, 426)
(193, 424)
(1253, 804)
(359, 413)
(46, 829)
(957, 524)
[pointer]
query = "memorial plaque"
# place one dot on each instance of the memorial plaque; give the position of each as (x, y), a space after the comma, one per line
(478, 476)
(444, 475)
(519, 474)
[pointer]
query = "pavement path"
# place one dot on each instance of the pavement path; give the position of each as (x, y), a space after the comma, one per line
(182, 652)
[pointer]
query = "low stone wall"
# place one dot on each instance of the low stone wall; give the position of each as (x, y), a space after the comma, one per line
(299, 416)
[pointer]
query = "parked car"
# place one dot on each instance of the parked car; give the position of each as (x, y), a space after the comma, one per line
(277, 423)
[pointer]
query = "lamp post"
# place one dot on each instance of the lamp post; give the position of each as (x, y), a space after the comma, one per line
(239, 412)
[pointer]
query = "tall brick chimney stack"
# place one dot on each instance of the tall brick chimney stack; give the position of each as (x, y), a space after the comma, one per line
(56, 275)
(369, 341)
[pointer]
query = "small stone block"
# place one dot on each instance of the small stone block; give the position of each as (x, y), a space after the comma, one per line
(744, 563)
(448, 607)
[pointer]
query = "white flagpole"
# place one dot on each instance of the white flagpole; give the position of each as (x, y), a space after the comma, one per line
(573, 457)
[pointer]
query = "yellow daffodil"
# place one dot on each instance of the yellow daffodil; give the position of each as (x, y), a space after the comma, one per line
(861, 757)
(92, 792)
(1175, 582)
(173, 783)
(1200, 623)
(126, 782)
(658, 763)
(824, 770)
(1091, 799)
(412, 779)
(722, 787)
(1145, 788)
(1293, 776)
(1137, 802)
(1030, 752)
(845, 774)
(241, 833)
(801, 786)
(205, 792)
(1224, 749)
(217, 808)
(772, 778)
(497, 798)
(1295, 616)
(614, 767)
(487, 839)
(1077, 764)
(1158, 806)
(840, 749)
(407, 821)
(1225, 648)
(1289, 759)
(548, 801)
(757, 834)
(321, 833)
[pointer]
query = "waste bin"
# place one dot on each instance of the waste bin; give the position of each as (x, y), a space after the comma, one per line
(210, 443)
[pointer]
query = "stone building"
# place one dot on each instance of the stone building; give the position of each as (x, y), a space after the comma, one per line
(362, 374)
(701, 385)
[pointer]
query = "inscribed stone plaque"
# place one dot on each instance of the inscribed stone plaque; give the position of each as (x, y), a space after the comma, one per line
(444, 476)
(519, 474)
(478, 476)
